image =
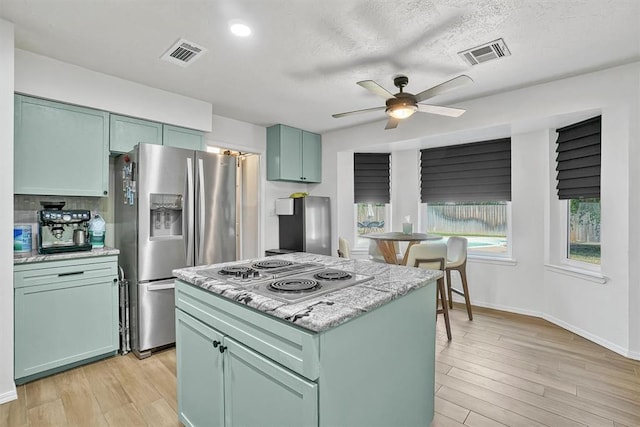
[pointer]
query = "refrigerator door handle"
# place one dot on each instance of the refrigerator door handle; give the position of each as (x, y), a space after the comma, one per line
(160, 287)
(188, 218)
(201, 213)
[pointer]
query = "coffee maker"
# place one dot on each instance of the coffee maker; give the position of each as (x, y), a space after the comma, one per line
(62, 230)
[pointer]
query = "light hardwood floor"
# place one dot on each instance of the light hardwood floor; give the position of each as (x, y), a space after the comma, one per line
(500, 369)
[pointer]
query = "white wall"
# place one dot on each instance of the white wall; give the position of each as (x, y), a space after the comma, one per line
(7, 386)
(45, 77)
(606, 313)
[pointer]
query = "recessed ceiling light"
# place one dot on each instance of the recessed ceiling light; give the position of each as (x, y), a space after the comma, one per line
(239, 28)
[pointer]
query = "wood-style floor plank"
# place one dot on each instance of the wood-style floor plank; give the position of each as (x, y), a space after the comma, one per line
(499, 369)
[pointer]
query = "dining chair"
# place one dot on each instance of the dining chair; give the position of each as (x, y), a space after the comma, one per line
(433, 256)
(457, 260)
(376, 256)
(344, 250)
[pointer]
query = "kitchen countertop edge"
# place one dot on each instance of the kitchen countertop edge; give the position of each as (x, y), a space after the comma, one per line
(324, 311)
(34, 256)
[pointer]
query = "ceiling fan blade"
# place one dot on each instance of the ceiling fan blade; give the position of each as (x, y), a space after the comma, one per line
(392, 123)
(443, 87)
(443, 111)
(350, 113)
(374, 87)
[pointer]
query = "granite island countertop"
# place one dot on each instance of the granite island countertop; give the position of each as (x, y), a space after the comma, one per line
(34, 256)
(328, 310)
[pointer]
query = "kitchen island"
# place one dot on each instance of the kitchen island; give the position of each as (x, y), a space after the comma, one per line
(359, 355)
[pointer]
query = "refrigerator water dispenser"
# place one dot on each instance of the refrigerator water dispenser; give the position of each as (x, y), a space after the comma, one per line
(165, 212)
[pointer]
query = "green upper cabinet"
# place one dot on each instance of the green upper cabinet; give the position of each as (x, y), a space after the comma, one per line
(174, 136)
(293, 155)
(126, 132)
(60, 149)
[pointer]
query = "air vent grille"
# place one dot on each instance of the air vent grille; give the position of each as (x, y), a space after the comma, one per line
(486, 52)
(183, 53)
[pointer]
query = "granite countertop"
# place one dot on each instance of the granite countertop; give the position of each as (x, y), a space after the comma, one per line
(324, 311)
(34, 256)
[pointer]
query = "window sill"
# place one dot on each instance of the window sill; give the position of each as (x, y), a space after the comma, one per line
(579, 273)
(491, 260)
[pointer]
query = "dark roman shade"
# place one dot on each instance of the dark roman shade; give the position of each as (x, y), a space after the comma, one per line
(371, 178)
(579, 160)
(479, 171)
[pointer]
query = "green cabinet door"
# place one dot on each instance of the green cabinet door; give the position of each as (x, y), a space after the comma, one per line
(178, 137)
(311, 157)
(199, 371)
(126, 132)
(66, 312)
(259, 392)
(60, 149)
(293, 155)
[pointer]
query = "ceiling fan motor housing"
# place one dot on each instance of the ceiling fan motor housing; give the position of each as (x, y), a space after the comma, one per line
(401, 101)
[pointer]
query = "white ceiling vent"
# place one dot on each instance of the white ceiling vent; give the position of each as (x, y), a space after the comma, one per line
(184, 53)
(486, 52)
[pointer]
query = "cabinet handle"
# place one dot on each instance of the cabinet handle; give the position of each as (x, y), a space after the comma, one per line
(70, 274)
(216, 343)
(222, 349)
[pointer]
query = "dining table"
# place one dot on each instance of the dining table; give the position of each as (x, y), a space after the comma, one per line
(386, 243)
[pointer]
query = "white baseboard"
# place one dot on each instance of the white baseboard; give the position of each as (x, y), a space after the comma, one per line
(8, 396)
(501, 307)
(596, 339)
(584, 334)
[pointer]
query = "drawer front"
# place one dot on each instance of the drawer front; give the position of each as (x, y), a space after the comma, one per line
(286, 344)
(72, 271)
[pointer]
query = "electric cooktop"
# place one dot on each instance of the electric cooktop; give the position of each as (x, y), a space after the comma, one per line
(286, 281)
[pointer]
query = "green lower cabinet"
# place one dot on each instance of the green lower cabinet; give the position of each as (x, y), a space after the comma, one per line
(178, 137)
(259, 392)
(66, 314)
(200, 383)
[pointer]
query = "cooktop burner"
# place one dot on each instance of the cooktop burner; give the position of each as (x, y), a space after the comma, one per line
(294, 285)
(234, 270)
(271, 263)
(333, 275)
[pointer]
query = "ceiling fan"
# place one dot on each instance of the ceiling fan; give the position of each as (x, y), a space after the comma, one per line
(403, 104)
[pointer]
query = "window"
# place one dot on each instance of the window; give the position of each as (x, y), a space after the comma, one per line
(484, 224)
(371, 183)
(578, 166)
(467, 192)
(370, 218)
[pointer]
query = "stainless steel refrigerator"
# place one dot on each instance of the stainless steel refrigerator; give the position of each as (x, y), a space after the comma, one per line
(305, 224)
(174, 208)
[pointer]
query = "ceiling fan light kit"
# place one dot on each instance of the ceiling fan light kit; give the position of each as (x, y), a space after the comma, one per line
(403, 104)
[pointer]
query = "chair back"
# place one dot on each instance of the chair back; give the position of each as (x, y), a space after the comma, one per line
(344, 251)
(376, 255)
(456, 251)
(374, 252)
(431, 256)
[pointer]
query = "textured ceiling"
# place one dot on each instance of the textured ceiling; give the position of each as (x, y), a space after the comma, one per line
(305, 56)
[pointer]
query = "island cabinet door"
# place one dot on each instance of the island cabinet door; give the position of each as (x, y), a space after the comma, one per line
(199, 366)
(259, 392)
